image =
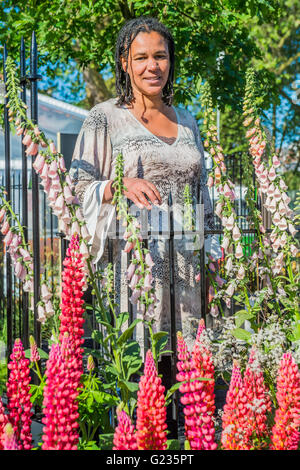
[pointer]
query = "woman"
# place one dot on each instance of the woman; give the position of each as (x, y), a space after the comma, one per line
(162, 152)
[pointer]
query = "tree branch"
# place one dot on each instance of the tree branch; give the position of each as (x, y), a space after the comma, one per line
(287, 63)
(125, 10)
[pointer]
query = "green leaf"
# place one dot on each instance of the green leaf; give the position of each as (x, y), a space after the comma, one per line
(132, 348)
(90, 445)
(241, 334)
(241, 316)
(159, 334)
(43, 354)
(121, 319)
(131, 386)
(106, 441)
(132, 358)
(97, 336)
(133, 368)
(105, 323)
(165, 352)
(127, 333)
(173, 444)
(187, 445)
(107, 338)
(104, 398)
(89, 401)
(112, 369)
(178, 384)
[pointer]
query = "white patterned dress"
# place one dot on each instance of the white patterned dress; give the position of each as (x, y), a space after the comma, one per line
(170, 164)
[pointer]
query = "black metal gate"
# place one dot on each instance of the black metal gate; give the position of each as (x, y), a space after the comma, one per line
(19, 184)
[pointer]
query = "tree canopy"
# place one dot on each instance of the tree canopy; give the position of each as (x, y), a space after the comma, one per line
(216, 40)
(85, 31)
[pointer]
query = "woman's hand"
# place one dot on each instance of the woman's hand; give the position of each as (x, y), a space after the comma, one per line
(137, 189)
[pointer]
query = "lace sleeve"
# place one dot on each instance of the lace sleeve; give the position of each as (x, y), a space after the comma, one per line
(90, 171)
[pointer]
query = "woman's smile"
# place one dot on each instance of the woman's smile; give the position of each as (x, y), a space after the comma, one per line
(153, 79)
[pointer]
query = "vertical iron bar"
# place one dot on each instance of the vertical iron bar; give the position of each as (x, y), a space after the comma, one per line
(14, 279)
(52, 248)
(35, 190)
(172, 303)
(202, 258)
(144, 234)
(19, 281)
(129, 255)
(9, 325)
(45, 230)
(111, 260)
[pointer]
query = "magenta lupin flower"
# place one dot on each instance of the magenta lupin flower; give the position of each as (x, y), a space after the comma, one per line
(186, 371)
(197, 396)
(151, 409)
(234, 420)
(201, 328)
(3, 422)
(205, 396)
(71, 318)
(18, 394)
(60, 400)
(34, 354)
(124, 436)
(90, 363)
(258, 403)
(285, 432)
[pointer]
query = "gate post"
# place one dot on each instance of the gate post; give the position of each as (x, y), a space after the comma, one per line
(25, 297)
(9, 318)
(33, 77)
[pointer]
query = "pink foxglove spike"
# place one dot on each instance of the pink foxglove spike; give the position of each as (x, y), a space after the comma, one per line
(52, 173)
(27, 140)
(68, 195)
(39, 163)
(32, 149)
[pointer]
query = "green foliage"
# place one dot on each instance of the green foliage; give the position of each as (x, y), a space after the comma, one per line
(94, 405)
(173, 444)
(85, 32)
(106, 441)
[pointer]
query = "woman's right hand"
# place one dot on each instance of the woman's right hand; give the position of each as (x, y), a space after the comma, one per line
(138, 188)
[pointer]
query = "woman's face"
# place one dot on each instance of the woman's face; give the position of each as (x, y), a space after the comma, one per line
(148, 64)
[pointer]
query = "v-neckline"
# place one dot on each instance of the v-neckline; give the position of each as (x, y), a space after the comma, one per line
(151, 133)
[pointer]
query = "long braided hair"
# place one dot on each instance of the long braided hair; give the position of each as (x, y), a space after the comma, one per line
(126, 36)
